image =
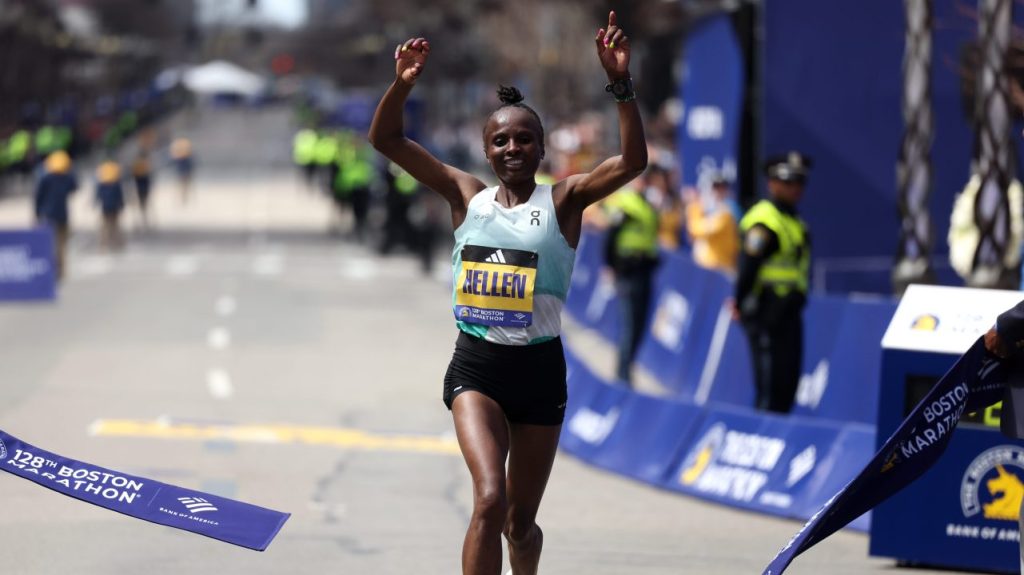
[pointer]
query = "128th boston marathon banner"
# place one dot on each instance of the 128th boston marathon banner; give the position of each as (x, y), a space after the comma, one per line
(217, 517)
(975, 382)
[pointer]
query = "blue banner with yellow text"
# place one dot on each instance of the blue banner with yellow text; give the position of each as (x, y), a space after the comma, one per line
(217, 517)
(975, 382)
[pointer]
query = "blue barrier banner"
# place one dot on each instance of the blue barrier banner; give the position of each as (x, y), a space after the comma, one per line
(27, 270)
(974, 382)
(761, 462)
(712, 87)
(686, 302)
(591, 414)
(210, 515)
(733, 379)
(849, 389)
(647, 434)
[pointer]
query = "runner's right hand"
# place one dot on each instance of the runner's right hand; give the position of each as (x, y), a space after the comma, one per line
(410, 57)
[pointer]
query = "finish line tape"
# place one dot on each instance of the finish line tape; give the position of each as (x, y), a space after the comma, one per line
(221, 518)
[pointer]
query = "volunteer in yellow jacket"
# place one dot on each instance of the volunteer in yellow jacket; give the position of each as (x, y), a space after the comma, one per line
(515, 246)
(771, 287)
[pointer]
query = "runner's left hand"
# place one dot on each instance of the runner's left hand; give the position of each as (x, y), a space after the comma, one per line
(613, 49)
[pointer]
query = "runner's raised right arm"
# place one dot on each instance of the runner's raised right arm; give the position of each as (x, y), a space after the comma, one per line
(388, 137)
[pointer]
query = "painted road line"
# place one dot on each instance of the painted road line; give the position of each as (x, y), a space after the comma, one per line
(92, 266)
(275, 434)
(360, 269)
(268, 265)
(218, 382)
(225, 306)
(180, 266)
(218, 338)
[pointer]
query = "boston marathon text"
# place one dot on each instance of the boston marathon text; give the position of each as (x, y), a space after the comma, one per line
(943, 414)
(106, 485)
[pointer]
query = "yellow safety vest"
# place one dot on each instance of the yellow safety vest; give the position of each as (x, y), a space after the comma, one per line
(787, 269)
(304, 147)
(639, 233)
(326, 151)
(404, 182)
(18, 145)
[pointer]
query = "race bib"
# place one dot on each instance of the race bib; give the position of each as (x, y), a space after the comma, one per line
(495, 286)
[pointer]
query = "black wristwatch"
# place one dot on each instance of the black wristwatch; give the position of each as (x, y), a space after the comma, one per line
(622, 90)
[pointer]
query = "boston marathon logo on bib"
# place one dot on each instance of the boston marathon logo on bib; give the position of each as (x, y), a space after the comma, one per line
(495, 286)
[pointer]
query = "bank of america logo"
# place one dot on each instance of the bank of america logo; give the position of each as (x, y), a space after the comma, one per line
(496, 258)
(520, 316)
(197, 504)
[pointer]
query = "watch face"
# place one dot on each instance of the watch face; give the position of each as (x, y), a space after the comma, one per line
(619, 88)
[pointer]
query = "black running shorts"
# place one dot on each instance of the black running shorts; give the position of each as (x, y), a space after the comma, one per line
(527, 381)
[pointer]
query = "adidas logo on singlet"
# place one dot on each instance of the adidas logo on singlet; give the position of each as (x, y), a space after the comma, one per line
(496, 258)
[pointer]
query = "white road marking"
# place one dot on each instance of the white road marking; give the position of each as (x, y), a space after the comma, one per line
(218, 338)
(225, 306)
(180, 266)
(218, 382)
(92, 266)
(360, 270)
(269, 264)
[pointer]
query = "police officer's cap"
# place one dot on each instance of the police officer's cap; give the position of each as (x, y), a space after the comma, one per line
(789, 167)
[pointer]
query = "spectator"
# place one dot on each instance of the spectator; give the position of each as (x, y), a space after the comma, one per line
(110, 197)
(54, 188)
(712, 223)
(632, 254)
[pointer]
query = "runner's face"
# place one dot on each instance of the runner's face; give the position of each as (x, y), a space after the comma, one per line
(513, 145)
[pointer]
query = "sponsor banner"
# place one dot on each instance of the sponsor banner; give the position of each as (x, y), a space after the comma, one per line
(27, 269)
(210, 515)
(974, 382)
(592, 300)
(842, 358)
(762, 462)
(712, 87)
(661, 427)
(943, 319)
(733, 381)
(964, 514)
(592, 413)
(685, 309)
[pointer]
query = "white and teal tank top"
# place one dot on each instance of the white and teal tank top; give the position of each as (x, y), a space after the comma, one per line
(511, 269)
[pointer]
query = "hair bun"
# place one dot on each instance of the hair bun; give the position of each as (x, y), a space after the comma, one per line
(509, 95)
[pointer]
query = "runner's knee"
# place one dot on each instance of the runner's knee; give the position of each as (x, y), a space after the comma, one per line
(490, 504)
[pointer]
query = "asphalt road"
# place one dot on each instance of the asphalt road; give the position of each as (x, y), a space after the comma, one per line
(241, 350)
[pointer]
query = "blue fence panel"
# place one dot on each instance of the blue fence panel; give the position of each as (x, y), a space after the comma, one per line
(27, 267)
(733, 381)
(823, 319)
(646, 437)
(591, 413)
(584, 274)
(855, 365)
(761, 462)
(680, 328)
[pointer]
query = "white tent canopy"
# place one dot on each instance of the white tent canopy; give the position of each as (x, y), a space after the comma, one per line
(220, 77)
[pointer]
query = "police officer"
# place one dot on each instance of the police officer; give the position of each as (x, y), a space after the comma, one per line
(771, 287)
(304, 153)
(401, 194)
(632, 254)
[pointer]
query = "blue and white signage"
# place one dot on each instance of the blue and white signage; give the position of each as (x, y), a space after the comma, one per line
(221, 518)
(27, 270)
